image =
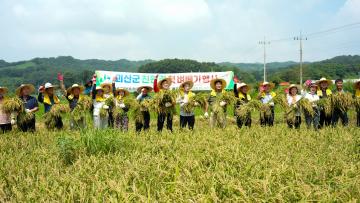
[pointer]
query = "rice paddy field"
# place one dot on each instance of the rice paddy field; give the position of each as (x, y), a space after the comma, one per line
(272, 164)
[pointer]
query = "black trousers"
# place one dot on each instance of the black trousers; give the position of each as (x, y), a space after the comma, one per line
(58, 123)
(338, 114)
(187, 121)
(268, 120)
(5, 127)
(161, 120)
(28, 126)
(146, 124)
(111, 119)
(296, 124)
(324, 119)
(247, 121)
(358, 118)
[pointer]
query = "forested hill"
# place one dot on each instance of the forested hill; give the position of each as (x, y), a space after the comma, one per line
(40, 70)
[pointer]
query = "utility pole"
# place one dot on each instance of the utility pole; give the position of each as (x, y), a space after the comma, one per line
(264, 43)
(300, 39)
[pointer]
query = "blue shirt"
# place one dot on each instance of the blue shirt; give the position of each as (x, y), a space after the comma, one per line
(30, 102)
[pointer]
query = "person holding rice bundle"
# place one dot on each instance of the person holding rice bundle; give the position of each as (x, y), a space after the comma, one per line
(121, 119)
(142, 97)
(30, 104)
(100, 109)
(357, 101)
(313, 99)
(292, 100)
(186, 118)
(324, 92)
(73, 94)
(241, 92)
(159, 86)
(108, 92)
(266, 96)
(218, 107)
(6, 120)
(337, 112)
(49, 99)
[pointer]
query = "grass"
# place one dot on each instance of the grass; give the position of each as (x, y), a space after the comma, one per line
(250, 165)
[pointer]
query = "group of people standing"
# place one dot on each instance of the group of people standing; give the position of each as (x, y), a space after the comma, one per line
(100, 95)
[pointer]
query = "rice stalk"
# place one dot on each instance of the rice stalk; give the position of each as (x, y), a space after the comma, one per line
(163, 97)
(342, 101)
(56, 112)
(13, 104)
(325, 104)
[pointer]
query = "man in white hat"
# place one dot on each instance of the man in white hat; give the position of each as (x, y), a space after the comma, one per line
(48, 98)
(241, 92)
(323, 92)
(31, 106)
(73, 94)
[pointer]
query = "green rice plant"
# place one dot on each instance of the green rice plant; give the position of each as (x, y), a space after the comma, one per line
(68, 149)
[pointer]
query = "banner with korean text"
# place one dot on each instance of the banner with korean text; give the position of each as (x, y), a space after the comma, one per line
(132, 81)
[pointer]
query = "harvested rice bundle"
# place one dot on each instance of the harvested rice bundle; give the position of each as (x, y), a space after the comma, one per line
(219, 112)
(227, 97)
(306, 106)
(11, 105)
(265, 110)
(357, 104)
(199, 100)
(325, 104)
(163, 97)
(290, 114)
(83, 105)
(138, 109)
(342, 101)
(56, 111)
(282, 101)
(245, 108)
(110, 101)
(24, 117)
(104, 113)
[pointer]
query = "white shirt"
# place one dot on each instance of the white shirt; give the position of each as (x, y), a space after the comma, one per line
(312, 98)
(97, 107)
(267, 99)
(290, 100)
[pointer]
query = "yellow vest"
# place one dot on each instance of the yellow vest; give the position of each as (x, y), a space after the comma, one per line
(213, 92)
(48, 101)
(242, 96)
(273, 94)
(320, 93)
(71, 97)
(190, 94)
(99, 98)
(357, 93)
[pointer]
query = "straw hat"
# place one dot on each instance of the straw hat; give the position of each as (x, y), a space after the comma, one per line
(19, 89)
(356, 83)
(99, 88)
(70, 89)
(293, 86)
(104, 85)
(126, 93)
(241, 85)
(214, 81)
(169, 81)
(329, 82)
(147, 87)
(271, 85)
(3, 90)
(313, 84)
(189, 82)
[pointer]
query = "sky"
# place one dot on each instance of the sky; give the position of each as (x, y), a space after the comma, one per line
(203, 30)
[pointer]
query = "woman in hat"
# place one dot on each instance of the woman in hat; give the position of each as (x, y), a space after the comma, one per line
(143, 95)
(266, 96)
(108, 92)
(122, 120)
(241, 92)
(186, 118)
(292, 99)
(313, 99)
(100, 120)
(73, 94)
(48, 98)
(164, 85)
(31, 106)
(6, 119)
(218, 88)
(324, 92)
(357, 96)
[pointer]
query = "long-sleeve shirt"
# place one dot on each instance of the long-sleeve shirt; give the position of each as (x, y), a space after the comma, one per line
(292, 100)
(313, 98)
(47, 107)
(156, 88)
(97, 105)
(182, 101)
(5, 118)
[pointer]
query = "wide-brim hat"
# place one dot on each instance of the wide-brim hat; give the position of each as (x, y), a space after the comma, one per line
(241, 85)
(324, 80)
(4, 90)
(214, 81)
(70, 89)
(106, 85)
(189, 82)
(356, 83)
(99, 88)
(126, 92)
(169, 81)
(293, 86)
(30, 86)
(271, 85)
(147, 87)
(313, 84)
